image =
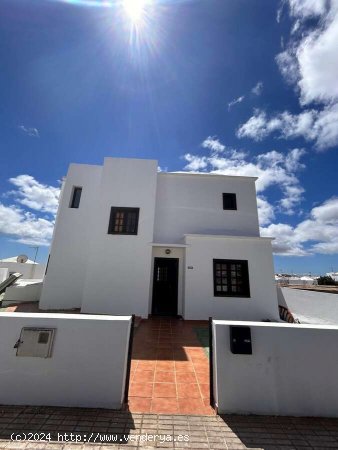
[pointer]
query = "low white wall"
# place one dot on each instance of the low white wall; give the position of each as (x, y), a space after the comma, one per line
(3, 274)
(21, 293)
(36, 271)
(280, 297)
(87, 367)
(293, 370)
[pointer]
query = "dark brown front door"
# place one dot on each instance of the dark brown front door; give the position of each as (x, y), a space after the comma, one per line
(165, 287)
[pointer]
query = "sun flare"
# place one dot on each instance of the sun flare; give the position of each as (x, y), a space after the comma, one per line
(134, 9)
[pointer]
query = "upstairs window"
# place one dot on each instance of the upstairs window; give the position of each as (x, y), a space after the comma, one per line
(229, 201)
(76, 196)
(123, 220)
(231, 278)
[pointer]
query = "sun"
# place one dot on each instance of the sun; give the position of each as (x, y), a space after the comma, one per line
(134, 9)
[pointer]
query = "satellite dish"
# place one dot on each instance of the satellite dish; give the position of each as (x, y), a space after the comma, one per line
(22, 258)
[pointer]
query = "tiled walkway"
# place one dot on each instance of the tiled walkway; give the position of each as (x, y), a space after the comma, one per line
(107, 429)
(170, 368)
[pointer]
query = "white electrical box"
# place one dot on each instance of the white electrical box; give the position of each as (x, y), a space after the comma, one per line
(35, 342)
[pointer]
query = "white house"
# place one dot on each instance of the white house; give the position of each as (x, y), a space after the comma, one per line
(333, 275)
(131, 240)
(21, 264)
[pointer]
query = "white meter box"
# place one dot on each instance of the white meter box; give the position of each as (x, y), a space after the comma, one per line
(35, 342)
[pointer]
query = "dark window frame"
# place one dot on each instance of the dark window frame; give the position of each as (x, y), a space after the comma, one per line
(229, 201)
(74, 200)
(244, 278)
(124, 222)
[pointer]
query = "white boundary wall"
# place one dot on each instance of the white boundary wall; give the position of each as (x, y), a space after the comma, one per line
(29, 292)
(87, 367)
(28, 271)
(3, 274)
(293, 370)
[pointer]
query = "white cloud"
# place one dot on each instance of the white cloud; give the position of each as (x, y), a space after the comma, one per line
(309, 62)
(317, 234)
(265, 211)
(317, 126)
(235, 101)
(257, 127)
(318, 63)
(213, 144)
(196, 163)
(258, 89)
(25, 227)
(272, 169)
(22, 225)
(284, 242)
(162, 169)
(288, 64)
(307, 8)
(35, 195)
(279, 14)
(33, 132)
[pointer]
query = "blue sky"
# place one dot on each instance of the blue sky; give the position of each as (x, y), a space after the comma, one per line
(234, 87)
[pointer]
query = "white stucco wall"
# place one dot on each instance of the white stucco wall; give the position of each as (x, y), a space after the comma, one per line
(87, 367)
(190, 203)
(89, 268)
(70, 249)
(292, 370)
(23, 292)
(3, 274)
(118, 269)
(200, 302)
(35, 271)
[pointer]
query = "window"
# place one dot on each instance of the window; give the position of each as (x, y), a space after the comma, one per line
(75, 202)
(231, 278)
(229, 201)
(123, 220)
(43, 337)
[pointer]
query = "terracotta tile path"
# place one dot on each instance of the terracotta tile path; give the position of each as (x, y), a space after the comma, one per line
(169, 369)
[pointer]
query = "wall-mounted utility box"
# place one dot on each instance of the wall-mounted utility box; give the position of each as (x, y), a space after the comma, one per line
(240, 340)
(35, 342)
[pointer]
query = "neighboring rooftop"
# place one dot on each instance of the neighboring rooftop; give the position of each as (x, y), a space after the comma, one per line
(313, 307)
(14, 259)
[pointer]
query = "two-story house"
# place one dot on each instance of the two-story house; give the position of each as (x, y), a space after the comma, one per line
(131, 240)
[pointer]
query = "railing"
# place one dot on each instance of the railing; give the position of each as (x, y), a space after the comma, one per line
(286, 315)
(211, 365)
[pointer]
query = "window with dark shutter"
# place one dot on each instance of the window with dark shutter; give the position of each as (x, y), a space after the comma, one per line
(231, 278)
(123, 220)
(229, 201)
